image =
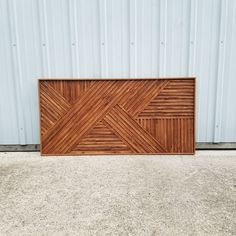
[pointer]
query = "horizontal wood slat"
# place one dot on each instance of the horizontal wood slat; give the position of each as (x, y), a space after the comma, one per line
(129, 116)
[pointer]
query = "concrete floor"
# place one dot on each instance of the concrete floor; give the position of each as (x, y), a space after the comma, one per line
(118, 195)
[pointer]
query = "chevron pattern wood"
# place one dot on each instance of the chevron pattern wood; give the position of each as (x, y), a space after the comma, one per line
(117, 116)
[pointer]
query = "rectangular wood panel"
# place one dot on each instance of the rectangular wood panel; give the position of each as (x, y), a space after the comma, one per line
(117, 116)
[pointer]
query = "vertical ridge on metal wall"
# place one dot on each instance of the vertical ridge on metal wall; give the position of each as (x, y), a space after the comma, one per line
(18, 80)
(44, 38)
(192, 45)
(103, 37)
(163, 28)
(133, 43)
(192, 38)
(220, 72)
(154, 53)
(74, 38)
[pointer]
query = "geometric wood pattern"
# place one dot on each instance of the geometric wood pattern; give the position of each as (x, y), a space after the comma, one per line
(117, 116)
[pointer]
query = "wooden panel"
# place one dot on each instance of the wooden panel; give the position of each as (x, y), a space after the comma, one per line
(115, 116)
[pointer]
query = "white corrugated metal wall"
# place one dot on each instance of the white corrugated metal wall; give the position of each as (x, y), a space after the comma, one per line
(117, 38)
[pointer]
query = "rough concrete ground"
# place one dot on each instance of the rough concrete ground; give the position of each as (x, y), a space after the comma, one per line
(118, 195)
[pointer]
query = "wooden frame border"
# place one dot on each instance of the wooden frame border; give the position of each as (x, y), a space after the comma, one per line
(83, 79)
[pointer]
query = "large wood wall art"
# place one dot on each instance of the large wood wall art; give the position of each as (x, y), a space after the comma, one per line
(117, 116)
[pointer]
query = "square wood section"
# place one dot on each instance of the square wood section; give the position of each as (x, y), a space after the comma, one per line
(117, 116)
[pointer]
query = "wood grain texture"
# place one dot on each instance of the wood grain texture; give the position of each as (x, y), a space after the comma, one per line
(135, 116)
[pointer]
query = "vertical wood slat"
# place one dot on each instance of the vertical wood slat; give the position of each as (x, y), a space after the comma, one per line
(104, 117)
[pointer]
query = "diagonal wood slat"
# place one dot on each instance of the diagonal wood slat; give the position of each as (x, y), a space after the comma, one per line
(117, 116)
(143, 95)
(53, 106)
(131, 132)
(71, 90)
(98, 100)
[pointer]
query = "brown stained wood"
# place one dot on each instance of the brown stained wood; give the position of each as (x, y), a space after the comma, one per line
(117, 116)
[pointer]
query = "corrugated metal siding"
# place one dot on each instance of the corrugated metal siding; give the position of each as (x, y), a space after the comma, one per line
(111, 38)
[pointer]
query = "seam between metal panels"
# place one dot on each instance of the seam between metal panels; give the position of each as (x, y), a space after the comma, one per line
(193, 37)
(74, 38)
(133, 41)
(220, 72)
(18, 80)
(153, 54)
(103, 37)
(163, 32)
(44, 38)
